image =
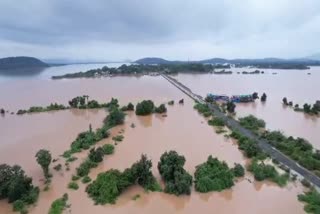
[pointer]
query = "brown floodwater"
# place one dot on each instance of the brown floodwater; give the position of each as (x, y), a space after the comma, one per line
(296, 85)
(183, 130)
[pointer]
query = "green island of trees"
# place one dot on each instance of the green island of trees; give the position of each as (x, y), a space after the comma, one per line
(311, 109)
(311, 200)
(79, 102)
(215, 175)
(59, 205)
(178, 181)
(262, 171)
(109, 185)
(17, 187)
(147, 107)
(89, 138)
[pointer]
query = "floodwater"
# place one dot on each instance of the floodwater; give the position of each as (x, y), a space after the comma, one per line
(183, 130)
(296, 85)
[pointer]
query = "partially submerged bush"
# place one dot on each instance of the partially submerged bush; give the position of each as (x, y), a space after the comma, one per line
(161, 109)
(59, 205)
(238, 170)
(202, 109)
(263, 171)
(86, 179)
(108, 149)
(252, 123)
(216, 121)
(311, 200)
(109, 185)
(145, 107)
(213, 175)
(73, 185)
(178, 180)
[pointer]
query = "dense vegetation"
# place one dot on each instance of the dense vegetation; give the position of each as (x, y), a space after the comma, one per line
(231, 107)
(17, 187)
(109, 185)
(311, 200)
(59, 205)
(252, 123)
(178, 180)
(214, 175)
(298, 149)
(216, 121)
(202, 109)
(161, 109)
(248, 146)
(145, 107)
(263, 171)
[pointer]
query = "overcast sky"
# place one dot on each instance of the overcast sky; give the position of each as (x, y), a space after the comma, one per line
(172, 29)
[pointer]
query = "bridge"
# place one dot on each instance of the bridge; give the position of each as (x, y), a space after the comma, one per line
(263, 144)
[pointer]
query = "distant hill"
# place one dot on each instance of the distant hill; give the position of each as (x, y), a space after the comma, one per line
(21, 62)
(264, 61)
(314, 56)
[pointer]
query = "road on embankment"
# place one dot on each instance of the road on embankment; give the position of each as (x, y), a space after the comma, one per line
(262, 143)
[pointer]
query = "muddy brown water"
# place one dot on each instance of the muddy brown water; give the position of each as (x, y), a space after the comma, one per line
(296, 85)
(183, 130)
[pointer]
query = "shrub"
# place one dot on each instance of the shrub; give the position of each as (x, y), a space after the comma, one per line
(86, 179)
(85, 167)
(178, 180)
(311, 200)
(118, 138)
(263, 171)
(213, 175)
(57, 167)
(108, 149)
(74, 177)
(231, 107)
(238, 170)
(161, 109)
(19, 206)
(216, 121)
(263, 97)
(73, 185)
(71, 159)
(130, 107)
(252, 123)
(59, 205)
(202, 109)
(145, 107)
(115, 117)
(96, 155)
(170, 103)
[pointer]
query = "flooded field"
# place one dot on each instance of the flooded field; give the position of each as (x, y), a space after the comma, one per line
(296, 85)
(183, 130)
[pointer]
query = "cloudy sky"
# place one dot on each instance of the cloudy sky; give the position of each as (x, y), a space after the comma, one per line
(174, 29)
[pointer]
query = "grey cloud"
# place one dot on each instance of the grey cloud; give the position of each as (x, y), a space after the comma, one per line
(119, 29)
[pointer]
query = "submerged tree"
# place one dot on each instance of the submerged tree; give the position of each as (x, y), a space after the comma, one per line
(44, 159)
(231, 107)
(285, 101)
(255, 95)
(263, 97)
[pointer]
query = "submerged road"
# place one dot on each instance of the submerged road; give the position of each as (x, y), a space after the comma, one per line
(262, 143)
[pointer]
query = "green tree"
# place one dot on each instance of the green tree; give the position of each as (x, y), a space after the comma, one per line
(44, 159)
(145, 107)
(161, 109)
